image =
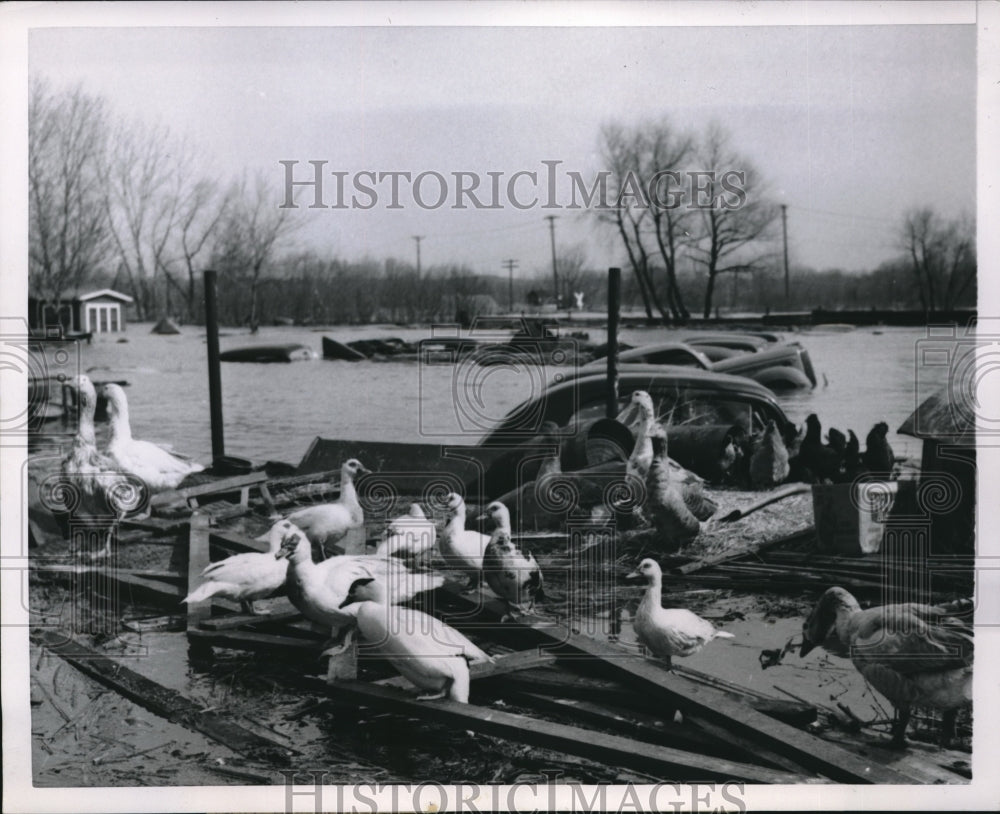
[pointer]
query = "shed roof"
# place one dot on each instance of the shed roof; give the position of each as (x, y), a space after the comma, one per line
(104, 292)
(944, 416)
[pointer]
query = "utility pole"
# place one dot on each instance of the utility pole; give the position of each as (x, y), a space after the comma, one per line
(510, 265)
(784, 234)
(555, 275)
(418, 238)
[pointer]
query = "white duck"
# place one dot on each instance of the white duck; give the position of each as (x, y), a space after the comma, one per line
(246, 577)
(409, 535)
(668, 632)
(913, 654)
(641, 406)
(319, 589)
(94, 486)
(432, 655)
(151, 463)
(328, 523)
(512, 574)
(462, 548)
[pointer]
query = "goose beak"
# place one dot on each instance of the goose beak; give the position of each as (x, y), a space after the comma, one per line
(806, 648)
(349, 600)
(630, 411)
(633, 577)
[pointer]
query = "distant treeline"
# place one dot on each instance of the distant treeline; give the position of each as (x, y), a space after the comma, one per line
(306, 289)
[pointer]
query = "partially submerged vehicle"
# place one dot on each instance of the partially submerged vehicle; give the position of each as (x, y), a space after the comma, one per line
(779, 367)
(699, 408)
(291, 352)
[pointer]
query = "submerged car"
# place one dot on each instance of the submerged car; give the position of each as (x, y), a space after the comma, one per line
(680, 397)
(779, 367)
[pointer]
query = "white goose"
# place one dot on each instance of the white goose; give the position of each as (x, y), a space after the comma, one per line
(326, 524)
(913, 654)
(668, 632)
(641, 406)
(151, 463)
(319, 589)
(512, 574)
(432, 655)
(409, 535)
(462, 548)
(96, 487)
(246, 577)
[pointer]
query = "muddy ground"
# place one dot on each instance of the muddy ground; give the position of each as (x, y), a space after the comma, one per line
(86, 735)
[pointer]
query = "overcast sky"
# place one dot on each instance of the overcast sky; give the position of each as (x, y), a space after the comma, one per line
(850, 125)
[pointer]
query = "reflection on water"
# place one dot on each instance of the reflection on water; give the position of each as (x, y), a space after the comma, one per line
(273, 411)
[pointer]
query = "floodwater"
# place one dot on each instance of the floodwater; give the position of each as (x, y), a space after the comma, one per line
(273, 411)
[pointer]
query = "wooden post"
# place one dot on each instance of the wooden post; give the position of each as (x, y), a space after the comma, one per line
(198, 560)
(614, 314)
(214, 372)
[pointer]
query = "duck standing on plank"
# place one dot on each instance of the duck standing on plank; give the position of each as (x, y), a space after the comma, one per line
(326, 524)
(319, 589)
(248, 576)
(432, 655)
(916, 655)
(154, 465)
(512, 574)
(462, 548)
(409, 535)
(668, 632)
(91, 485)
(769, 462)
(665, 504)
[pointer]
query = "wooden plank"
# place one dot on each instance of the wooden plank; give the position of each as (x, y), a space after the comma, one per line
(209, 488)
(648, 727)
(198, 561)
(707, 702)
(663, 761)
(162, 701)
(251, 640)
(501, 667)
(136, 589)
(146, 573)
(795, 712)
(236, 620)
(716, 559)
(236, 541)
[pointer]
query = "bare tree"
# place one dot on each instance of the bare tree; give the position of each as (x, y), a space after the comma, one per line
(68, 234)
(629, 209)
(734, 230)
(201, 210)
(141, 201)
(249, 234)
(942, 256)
(664, 153)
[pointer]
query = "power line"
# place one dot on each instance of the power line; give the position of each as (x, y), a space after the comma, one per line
(555, 275)
(510, 265)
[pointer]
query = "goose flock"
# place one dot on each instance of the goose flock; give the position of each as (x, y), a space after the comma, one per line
(915, 655)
